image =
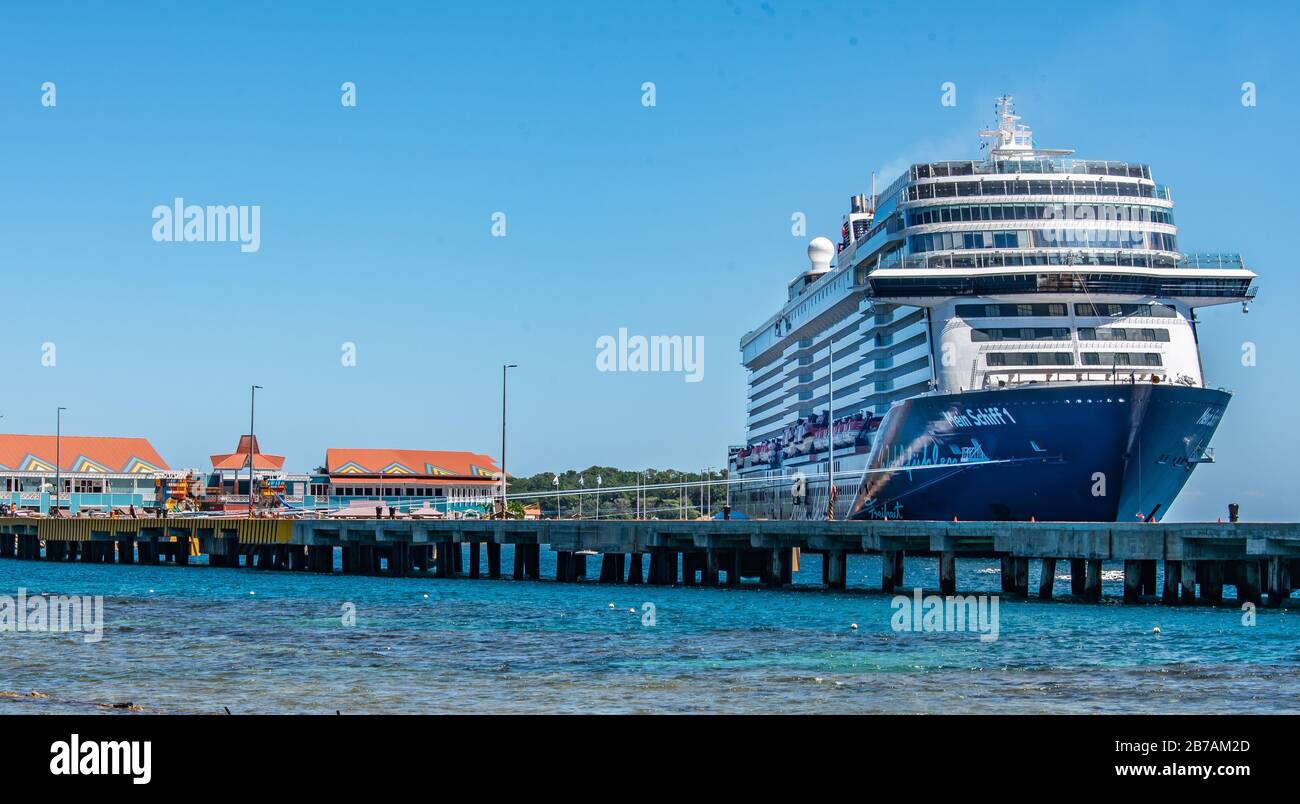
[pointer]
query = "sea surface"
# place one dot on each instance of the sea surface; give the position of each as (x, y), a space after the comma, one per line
(203, 640)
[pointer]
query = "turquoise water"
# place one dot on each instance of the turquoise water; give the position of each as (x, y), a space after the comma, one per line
(201, 639)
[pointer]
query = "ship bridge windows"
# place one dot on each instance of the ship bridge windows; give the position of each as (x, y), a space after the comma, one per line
(1121, 359)
(1017, 166)
(1125, 310)
(1148, 334)
(1011, 310)
(993, 359)
(1021, 334)
(948, 189)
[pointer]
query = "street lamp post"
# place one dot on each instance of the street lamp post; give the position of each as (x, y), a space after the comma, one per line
(598, 480)
(701, 492)
(58, 437)
(504, 510)
(708, 511)
(252, 407)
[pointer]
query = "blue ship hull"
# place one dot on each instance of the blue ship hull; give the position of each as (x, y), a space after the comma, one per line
(1089, 453)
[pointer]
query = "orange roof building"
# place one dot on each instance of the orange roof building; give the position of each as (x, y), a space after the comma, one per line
(92, 455)
(410, 478)
(409, 463)
(96, 472)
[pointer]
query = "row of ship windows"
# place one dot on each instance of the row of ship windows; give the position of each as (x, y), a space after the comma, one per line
(955, 189)
(1093, 168)
(997, 359)
(1043, 238)
(1063, 334)
(1060, 309)
(1019, 212)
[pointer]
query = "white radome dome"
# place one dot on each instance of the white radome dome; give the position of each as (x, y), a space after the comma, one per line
(820, 252)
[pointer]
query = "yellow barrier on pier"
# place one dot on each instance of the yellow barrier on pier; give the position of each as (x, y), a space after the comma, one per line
(248, 531)
(258, 531)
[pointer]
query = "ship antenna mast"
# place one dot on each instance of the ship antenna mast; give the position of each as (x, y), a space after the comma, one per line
(1013, 139)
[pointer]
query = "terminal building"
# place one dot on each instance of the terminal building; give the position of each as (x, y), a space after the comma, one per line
(404, 479)
(97, 473)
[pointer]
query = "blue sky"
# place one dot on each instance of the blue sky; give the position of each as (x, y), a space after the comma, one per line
(376, 220)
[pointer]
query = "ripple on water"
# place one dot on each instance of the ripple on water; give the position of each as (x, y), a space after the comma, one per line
(534, 647)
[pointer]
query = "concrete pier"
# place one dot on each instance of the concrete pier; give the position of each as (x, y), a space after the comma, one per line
(1259, 560)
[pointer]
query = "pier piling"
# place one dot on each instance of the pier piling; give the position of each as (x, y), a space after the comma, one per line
(1212, 581)
(1078, 577)
(888, 569)
(837, 576)
(611, 568)
(1046, 578)
(1248, 582)
(1092, 581)
(1020, 588)
(948, 573)
(1173, 578)
(1149, 576)
(1279, 581)
(1132, 581)
(776, 567)
(533, 562)
(1188, 596)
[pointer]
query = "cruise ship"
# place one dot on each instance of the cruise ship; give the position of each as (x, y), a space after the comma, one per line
(1008, 338)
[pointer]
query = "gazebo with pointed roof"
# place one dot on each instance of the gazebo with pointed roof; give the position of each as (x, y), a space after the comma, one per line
(237, 461)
